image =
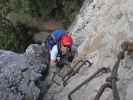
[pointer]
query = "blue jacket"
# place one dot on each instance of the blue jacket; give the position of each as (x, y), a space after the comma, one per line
(55, 37)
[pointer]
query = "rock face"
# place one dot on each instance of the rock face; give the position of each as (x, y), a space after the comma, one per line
(98, 30)
(19, 73)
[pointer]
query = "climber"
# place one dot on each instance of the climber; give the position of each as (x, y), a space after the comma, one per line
(61, 52)
(54, 39)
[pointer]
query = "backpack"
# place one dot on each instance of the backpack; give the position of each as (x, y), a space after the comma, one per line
(54, 38)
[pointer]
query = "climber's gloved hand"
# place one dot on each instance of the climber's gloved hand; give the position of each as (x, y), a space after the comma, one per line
(63, 61)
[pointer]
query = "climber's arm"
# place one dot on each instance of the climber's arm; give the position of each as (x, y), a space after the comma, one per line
(73, 53)
(53, 55)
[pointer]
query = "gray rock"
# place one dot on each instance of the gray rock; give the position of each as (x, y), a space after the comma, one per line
(19, 72)
(98, 30)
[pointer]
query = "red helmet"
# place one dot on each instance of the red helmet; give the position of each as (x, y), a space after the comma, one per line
(67, 40)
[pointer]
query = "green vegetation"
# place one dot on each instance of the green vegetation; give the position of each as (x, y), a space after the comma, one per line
(12, 37)
(16, 37)
(56, 9)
